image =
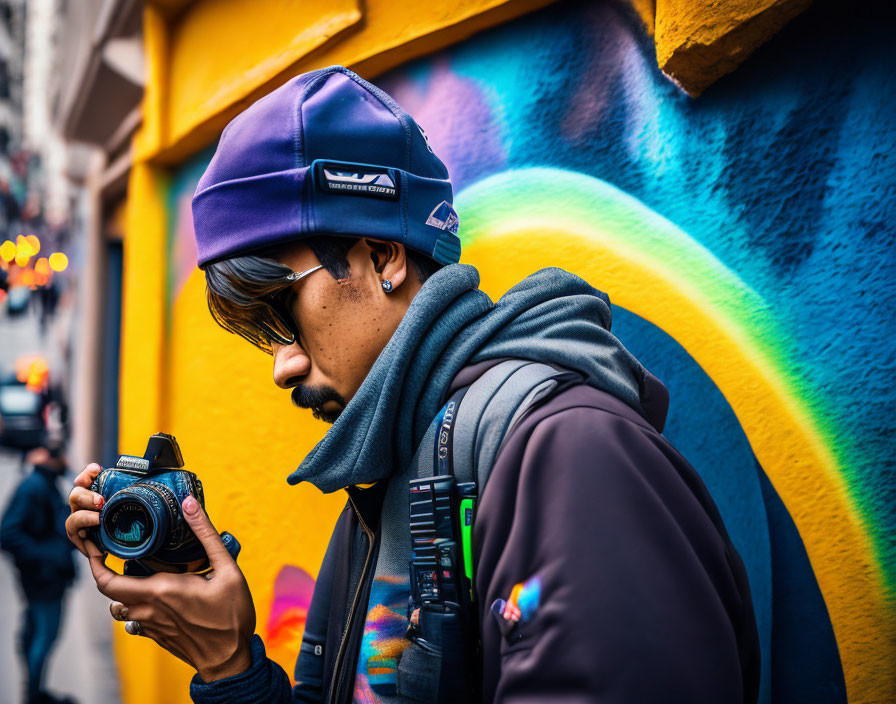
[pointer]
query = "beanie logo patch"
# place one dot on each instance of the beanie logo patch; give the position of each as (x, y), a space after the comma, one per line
(425, 139)
(356, 180)
(444, 217)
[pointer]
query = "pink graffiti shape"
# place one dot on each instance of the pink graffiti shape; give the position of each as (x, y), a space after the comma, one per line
(448, 107)
(289, 607)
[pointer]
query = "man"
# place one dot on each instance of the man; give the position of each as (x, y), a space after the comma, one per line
(602, 570)
(32, 532)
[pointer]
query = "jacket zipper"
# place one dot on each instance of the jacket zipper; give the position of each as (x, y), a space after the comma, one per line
(351, 612)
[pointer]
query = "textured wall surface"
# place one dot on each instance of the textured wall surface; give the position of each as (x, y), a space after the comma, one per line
(746, 240)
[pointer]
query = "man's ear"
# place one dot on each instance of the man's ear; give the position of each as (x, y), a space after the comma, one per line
(389, 261)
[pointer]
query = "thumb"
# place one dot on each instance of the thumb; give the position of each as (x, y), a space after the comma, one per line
(202, 527)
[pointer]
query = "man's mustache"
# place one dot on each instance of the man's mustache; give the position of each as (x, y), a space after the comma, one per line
(314, 397)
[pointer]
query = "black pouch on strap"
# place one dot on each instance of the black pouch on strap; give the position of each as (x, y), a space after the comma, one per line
(435, 667)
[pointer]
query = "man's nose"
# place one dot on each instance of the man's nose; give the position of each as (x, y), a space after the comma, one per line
(291, 365)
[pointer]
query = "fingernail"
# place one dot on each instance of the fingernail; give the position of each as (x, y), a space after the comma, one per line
(191, 505)
(82, 533)
(98, 500)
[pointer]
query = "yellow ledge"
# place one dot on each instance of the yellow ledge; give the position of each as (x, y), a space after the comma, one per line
(699, 41)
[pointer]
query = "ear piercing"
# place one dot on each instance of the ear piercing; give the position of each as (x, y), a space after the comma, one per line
(387, 286)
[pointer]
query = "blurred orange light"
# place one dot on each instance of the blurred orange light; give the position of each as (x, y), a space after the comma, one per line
(38, 375)
(8, 251)
(42, 266)
(22, 259)
(34, 242)
(58, 261)
(27, 278)
(33, 371)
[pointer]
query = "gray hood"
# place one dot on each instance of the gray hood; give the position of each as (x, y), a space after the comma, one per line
(551, 316)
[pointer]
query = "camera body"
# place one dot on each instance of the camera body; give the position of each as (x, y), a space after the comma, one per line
(141, 517)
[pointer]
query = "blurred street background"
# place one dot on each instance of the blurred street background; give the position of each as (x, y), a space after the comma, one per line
(43, 201)
(83, 662)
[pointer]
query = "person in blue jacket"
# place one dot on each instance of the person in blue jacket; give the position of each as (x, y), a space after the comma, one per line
(32, 531)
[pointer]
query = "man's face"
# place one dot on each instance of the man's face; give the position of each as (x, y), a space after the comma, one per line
(343, 324)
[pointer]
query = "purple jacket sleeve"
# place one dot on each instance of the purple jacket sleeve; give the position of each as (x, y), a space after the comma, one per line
(631, 592)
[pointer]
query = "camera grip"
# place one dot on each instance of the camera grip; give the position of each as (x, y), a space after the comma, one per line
(148, 567)
(232, 544)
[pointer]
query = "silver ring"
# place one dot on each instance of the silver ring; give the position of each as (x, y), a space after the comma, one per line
(134, 628)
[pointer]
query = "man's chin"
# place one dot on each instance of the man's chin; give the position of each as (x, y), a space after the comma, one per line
(326, 416)
(318, 399)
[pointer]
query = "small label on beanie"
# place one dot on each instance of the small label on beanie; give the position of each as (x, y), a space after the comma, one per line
(356, 180)
(444, 217)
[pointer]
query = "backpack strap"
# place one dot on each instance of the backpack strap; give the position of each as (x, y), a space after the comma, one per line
(465, 438)
(467, 433)
(449, 471)
(492, 405)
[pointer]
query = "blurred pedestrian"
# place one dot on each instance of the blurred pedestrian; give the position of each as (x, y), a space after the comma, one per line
(9, 206)
(32, 531)
(47, 299)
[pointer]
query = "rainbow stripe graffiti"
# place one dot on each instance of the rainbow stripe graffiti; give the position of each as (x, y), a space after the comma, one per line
(519, 221)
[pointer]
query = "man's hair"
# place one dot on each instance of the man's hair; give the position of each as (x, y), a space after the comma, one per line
(235, 285)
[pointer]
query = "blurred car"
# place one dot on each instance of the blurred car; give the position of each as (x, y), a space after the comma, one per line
(22, 423)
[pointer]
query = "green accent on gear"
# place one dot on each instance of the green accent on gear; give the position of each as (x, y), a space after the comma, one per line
(466, 537)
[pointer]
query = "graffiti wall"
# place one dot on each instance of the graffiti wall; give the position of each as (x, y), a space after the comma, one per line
(746, 240)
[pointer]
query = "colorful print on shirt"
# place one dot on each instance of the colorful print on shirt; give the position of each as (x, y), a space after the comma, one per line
(384, 640)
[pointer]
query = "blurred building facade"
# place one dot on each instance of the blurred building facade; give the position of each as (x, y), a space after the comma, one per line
(715, 208)
(94, 90)
(12, 21)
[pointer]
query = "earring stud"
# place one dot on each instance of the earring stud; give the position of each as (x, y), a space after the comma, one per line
(387, 286)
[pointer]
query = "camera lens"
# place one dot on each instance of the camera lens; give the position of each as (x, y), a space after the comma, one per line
(137, 520)
(130, 524)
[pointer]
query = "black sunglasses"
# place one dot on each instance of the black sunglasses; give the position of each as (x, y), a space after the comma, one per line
(271, 322)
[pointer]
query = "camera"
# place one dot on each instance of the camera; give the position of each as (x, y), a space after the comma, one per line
(141, 520)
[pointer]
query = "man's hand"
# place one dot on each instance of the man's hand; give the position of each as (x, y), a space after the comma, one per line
(205, 620)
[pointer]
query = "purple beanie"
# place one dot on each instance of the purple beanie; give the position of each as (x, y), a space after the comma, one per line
(326, 153)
